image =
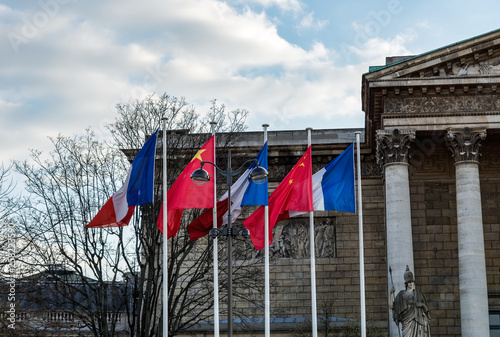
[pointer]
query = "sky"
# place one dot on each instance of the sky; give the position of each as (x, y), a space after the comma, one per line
(65, 64)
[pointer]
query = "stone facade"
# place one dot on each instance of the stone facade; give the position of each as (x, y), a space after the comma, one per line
(453, 114)
(430, 167)
(431, 198)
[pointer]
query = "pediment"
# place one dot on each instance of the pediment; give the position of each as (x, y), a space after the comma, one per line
(479, 56)
(487, 67)
(456, 85)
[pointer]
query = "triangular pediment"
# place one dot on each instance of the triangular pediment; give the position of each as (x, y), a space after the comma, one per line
(453, 86)
(478, 56)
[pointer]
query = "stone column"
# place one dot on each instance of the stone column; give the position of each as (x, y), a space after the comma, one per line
(393, 154)
(464, 145)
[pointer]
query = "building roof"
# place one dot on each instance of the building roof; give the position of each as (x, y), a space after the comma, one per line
(410, 57)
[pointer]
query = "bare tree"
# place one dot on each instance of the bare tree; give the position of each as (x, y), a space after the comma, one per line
(329, 325)
(64, 190)
(190, 263)
(8, 207)
(9, 203)
(68, 188)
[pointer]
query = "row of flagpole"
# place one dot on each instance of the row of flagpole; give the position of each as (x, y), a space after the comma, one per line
(324, 192)
(312, 258)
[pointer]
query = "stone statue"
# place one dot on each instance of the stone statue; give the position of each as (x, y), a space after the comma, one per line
(410, 309)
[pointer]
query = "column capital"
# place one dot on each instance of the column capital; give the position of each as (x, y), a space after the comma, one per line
(465, 144)
(393, 146)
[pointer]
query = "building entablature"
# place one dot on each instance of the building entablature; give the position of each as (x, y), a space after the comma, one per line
(454, 87)
(436, 117)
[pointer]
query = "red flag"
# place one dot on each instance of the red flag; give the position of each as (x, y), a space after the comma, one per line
(202, 225)
(293, 193)
(241, 193)
(185, 194)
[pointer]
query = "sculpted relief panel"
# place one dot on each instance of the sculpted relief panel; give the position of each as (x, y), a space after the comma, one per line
(291, 239)
(482, 68)
(417, 105)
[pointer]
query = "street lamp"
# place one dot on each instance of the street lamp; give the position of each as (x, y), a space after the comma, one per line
(200, 177)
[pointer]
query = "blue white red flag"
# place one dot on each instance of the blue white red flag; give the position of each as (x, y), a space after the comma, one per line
(137, 190)
(257, 194)
(243, 192)
(334, 186)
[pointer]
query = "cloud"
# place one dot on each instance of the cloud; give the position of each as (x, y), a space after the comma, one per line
(294, 6)
(71, 74)
(376, 49)
(423, 25)
(310, 22)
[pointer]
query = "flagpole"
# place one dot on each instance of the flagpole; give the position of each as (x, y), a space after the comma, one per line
(361, 248)
(267, 311)
(215, 247)
(165, 229)
(314, 319)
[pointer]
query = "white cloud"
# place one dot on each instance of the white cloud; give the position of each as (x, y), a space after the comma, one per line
(88, 58)
(423, 24)
(295, 6)
(308, 21)
(5, 11)
(376, 49)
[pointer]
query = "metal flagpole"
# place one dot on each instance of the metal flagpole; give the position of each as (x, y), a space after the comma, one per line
(314, 319)
(361, 249)
(267, 311)
(216, 247)
(165, 229)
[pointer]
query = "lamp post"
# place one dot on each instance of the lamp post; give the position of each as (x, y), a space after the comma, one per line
(200, 177)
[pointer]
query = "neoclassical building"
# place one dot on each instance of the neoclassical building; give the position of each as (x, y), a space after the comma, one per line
(431, 197)
(430, 174)
(433, 122)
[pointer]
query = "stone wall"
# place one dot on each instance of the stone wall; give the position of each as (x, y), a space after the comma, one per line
(435, 246)
(337, 269)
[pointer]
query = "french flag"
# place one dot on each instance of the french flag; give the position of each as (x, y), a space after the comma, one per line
(137, 190)
(334, 185)
(243, 192)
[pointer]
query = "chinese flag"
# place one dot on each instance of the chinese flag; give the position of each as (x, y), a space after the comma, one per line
(202, 225)
(243, 192)
(185, 194)
(293, 193)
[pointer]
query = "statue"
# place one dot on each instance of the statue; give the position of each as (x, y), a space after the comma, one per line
(410, 309)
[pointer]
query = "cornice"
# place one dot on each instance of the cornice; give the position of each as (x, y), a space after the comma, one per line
(437, 80)
(444, 55)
